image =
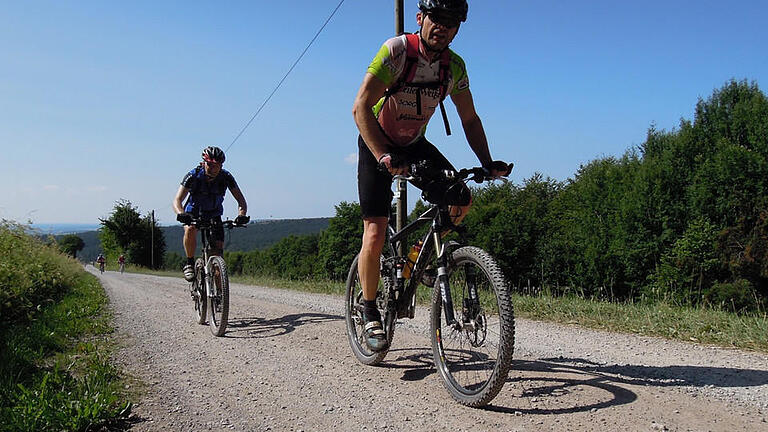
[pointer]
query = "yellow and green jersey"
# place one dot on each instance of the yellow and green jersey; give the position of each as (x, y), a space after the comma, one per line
(404, 115)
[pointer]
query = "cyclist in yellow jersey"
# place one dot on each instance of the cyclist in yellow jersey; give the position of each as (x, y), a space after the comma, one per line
(401, 90)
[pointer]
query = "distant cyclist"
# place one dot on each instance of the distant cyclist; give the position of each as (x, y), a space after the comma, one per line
(407, 80)
(206, 186)
(101, 261)
(121, 262)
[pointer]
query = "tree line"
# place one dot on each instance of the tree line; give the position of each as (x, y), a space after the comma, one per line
(681, 218)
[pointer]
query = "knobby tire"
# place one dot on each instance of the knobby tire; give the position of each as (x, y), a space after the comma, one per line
(472, 363)
(218, 306)
(199, 293)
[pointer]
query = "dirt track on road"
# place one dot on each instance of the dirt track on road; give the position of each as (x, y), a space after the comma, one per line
(285, 365)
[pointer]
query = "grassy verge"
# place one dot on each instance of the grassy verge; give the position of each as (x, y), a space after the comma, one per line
(702, 325)
(55, 372)
(707, 326)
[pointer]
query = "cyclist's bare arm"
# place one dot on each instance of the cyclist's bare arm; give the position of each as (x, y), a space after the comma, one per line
(473, 126)
(371, 90)
(242, 209)
(182, 193)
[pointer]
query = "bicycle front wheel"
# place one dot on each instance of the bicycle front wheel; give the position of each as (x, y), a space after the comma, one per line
(353, 315)
(199, 295)
(218, 305)
(474, 355)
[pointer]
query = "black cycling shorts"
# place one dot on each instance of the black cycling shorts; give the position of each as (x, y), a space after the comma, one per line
(217, 229)
(374, 186)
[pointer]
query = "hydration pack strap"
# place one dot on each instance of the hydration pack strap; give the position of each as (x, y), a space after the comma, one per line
(409, 72)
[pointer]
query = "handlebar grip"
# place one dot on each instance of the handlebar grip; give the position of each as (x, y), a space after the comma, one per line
(500, 166)
(395, 161)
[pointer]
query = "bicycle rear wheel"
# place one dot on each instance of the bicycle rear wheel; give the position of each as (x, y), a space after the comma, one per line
(218, 305)
(474, 356)
(353, 315)
(199, 295)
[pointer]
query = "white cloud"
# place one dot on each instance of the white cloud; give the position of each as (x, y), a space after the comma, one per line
(51, 188)
(351, 158)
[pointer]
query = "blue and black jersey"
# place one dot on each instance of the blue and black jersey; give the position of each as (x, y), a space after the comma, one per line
(206, 197)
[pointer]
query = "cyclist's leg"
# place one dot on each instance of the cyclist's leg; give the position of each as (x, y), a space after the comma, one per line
(217, 242)
(375, 193)
(190, 240)
(190, 243)
(374, 189)
(374, 235)
(459, 212)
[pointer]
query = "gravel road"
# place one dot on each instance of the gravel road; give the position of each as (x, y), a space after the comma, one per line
(285, 365)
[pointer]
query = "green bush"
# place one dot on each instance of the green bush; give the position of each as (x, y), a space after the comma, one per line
(31, 273)
(736, 296)
(52, 377)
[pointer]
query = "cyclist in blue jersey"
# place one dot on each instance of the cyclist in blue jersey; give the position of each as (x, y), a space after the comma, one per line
(206, 186)
(407, 80)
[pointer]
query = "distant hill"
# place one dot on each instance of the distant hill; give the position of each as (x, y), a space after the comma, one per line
(258, 235)
(63, 228)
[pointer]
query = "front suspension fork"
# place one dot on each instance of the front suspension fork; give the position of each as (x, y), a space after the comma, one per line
(442, 281)
(209, 281)
(471, 304)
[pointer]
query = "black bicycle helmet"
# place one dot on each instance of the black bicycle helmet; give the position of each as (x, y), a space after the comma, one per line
(213, 154)
(455, 8)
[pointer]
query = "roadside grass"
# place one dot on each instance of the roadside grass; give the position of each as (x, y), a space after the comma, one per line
(689, 324)
(692, 324)
(55, 371)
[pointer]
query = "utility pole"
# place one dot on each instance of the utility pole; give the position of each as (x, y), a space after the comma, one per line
(152, 244)
(402, 185)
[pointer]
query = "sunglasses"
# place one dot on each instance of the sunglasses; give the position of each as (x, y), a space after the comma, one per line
(446, 21)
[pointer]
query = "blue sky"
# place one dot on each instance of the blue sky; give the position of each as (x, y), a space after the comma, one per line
(101, 101)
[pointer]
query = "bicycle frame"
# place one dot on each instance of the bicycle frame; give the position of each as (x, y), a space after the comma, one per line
(439, 217)
(205, 233)
(205, 238)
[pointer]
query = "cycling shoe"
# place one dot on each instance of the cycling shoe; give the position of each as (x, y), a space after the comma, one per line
(189, 272)
(375, 337)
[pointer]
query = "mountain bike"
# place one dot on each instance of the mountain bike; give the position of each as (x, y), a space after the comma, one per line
(210, 288)
(122, 267)
(472, 324)
(101, 267)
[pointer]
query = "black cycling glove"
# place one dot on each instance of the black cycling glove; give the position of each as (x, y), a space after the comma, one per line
(498, 166)
(184, 218)
(242, 220)
(396, 160)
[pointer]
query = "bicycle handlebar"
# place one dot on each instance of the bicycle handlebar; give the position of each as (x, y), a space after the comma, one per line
(422, 170)
(208, 223)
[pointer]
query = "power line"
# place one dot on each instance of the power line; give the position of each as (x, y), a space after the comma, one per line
(285, 76)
